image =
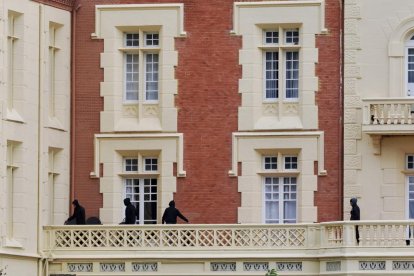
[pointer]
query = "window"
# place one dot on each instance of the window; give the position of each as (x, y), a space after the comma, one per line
(270, 162)
(281, 64)
(410, 66)
(410, 162)
(280, 199)
(151, 164)
(280, 191)
(143, 194)
(141, 189)
(291, 162)
(141, 56)
(12, 45)
(131, 164)
(12, 167)
(53, 173)
(53, 55)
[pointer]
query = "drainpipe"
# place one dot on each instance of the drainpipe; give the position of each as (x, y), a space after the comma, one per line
(76, 7)
(341, 91)
(40, 137)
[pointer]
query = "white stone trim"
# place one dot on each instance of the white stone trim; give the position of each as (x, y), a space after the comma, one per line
(308, 134)
(239, 5)
(100, 137)
(103, 8)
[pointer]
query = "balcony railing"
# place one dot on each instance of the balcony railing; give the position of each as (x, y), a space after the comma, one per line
(233, 237)
(389, 115)
(384, 248)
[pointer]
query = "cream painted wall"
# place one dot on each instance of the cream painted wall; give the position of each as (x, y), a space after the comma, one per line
(27, 125)
(375, 33)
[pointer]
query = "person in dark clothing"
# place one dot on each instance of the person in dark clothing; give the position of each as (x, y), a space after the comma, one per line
(171, 213)
(78, 214)
(355, 215)
(130, 212)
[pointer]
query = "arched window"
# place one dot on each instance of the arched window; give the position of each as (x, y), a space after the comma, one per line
(410, 66)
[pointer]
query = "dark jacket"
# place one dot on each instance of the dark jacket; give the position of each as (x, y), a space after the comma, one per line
(171, 213)
(78, 213)
(355, 213)
(130, 212)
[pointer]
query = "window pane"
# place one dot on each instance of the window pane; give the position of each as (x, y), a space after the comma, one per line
(289, 212)
(132, 40)
(271, 75)
(151, 77)
(131, 76)
(271, 37)
(292, 36)
(151, 39)
(292, 75)
(131, 164)
(410, 162)
(272, 211)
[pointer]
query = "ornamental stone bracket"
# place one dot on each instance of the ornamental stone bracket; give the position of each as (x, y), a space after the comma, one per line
(167, 136)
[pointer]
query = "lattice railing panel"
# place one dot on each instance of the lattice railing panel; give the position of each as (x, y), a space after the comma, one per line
(206, 238)
(116, 238)
(242, 237)
(228, 236)
(224, 237)
(296, 237)
(188, 238)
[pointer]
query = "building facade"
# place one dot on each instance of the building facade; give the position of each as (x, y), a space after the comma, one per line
(261, 119)
(378, 126)
(35, 66)
(210, 104)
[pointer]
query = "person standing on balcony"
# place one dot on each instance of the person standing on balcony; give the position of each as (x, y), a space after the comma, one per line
(355, 215)
(130, 212)
(171, 213)
(78, 214)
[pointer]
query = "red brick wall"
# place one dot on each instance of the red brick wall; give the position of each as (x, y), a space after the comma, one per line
(207, 100)
(329, 99)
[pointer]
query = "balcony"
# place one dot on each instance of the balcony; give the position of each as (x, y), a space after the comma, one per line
(296, 249)
(388, 116)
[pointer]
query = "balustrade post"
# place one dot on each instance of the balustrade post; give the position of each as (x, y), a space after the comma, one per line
(313, 239)
(349, 238)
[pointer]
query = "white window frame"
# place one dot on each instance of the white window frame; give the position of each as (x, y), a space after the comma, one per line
(270, 163)
(12, 40)
(285, 162)
(142, 196)
(125, 164)
(142, 51)
(409, 89)
(145, 165)
(409, 178)
(282, 48)
(408, 162)
(280, 199)
(281, 173)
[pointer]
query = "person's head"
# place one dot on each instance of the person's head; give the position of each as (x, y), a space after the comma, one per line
(127, 201)
(75, 202)
(353, 201)
(172, 203)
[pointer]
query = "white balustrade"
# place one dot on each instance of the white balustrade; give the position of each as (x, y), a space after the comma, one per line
(190, 236)
(232, 236)
(388, 111)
